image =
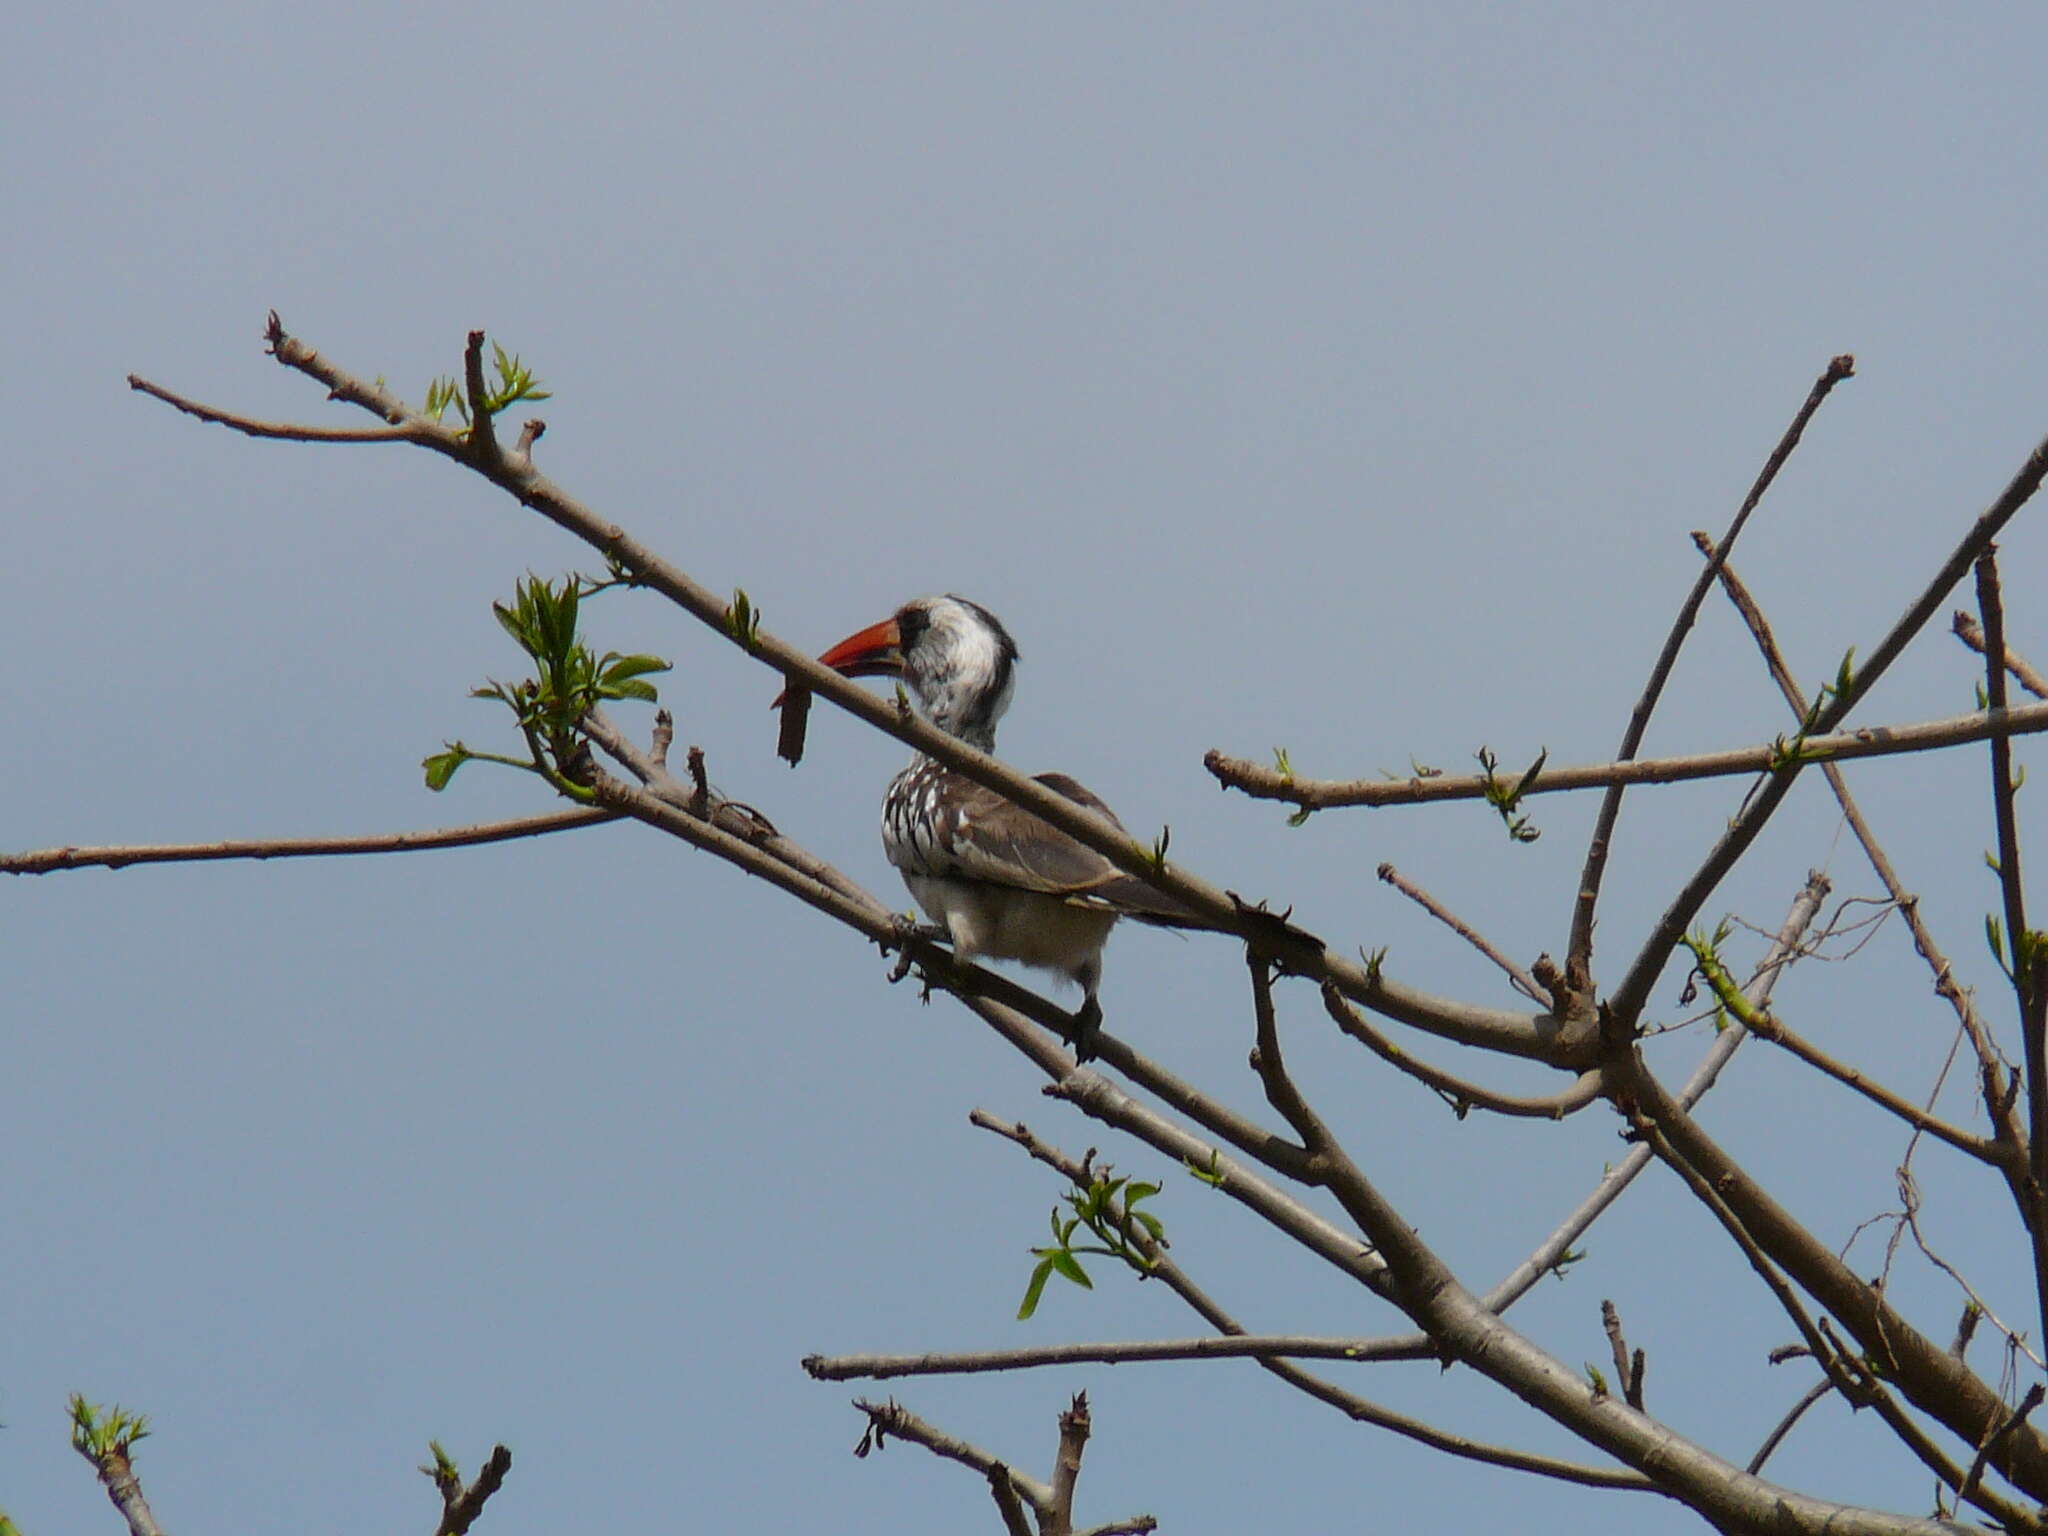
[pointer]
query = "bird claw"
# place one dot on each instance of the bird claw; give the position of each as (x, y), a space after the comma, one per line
(1087, 1027)
(907, 931)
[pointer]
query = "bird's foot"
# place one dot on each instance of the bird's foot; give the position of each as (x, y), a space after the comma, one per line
(908, 931)
(1087, 1029)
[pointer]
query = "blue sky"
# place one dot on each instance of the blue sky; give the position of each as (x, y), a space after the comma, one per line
(1342, 378)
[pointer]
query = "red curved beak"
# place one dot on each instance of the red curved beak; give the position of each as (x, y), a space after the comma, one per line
(876, 651)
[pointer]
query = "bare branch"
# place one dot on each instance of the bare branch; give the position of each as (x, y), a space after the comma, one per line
(1075, 1426)
(892, 1418)
(44, 861)
(1492, 1028)
(1991, 1076)
(1797, 1411)
(1932, 1379)
(1462, 1094)
(1579, 955)
(1628, 998)
(1766, 1025)
(1523, 981)
(1626, 1371)
(1968, 631)
(2025, 963)
(461, 1505)
(1762, 982)
(1254, 1346)
(483, 438)
(1778, 757)
(286, 431)
(1360, 1410)
(2026, 1405)
(1011, 1507)
(109, 1447)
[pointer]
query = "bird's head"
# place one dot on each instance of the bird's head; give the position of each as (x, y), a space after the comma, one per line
(955, 658)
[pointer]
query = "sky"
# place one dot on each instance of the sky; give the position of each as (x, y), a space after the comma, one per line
(1346, 379)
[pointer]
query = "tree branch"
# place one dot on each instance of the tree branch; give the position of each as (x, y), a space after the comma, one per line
(1932, 1379)
(280, 430)
(44, 861)
(1991, 1076)
(1075, 1426)
(1627, 999)
(1360, 1410)
(1967, 630)
(1793, 1415)
(1523, 981)
(1766, 1025)
(1579, 955)
(1777, 757)
(461, 1505)
(2026, 969)
(892, 1418)
(1008, 1504)
(1252, 1346)
(1462, 1094)
(1492, 1028)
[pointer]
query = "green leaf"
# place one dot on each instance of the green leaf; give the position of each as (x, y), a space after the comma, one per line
(440, 768)
(1065, 1262)
(617, 666)
(1035, 1289)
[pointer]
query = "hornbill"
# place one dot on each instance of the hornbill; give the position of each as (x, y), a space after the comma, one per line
(998, 880)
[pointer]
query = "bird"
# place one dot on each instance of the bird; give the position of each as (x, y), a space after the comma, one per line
(999, 881)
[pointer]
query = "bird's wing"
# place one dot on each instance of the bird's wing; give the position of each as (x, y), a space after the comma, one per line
(986, 837)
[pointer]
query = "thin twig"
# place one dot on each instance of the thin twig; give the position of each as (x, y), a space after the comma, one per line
(2026, 1405)
(1704, 1191)
(892, 1418)
(2011, 1517)
(285, 431)
(1776, 1437)
(1293, 1346)
(1578, 958)
(1461, 1094)
(1496, 1028)
(1971, 634)
(1776, 757)
(1766, 1025)
(43, 861)
(1626, 1371)
(1762, 982)
(1523, 981)
(1932, 1379)
(1165, 1270)
(1627, 1000)
(1991, 1076)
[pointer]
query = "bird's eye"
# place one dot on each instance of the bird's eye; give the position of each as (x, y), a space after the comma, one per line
(910, 624)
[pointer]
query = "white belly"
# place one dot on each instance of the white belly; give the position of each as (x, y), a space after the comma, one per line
(1004, 923)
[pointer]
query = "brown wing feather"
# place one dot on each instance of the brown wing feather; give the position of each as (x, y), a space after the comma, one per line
(989, 838)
